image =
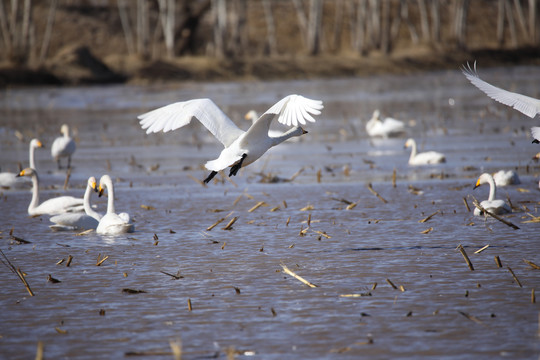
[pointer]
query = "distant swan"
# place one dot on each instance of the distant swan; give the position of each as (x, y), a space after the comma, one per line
(241, 147)
(492, 205)
(524, 104)
(63, 146)
(11, 180)
(112, 223)
(79, 221)
(54, 206)
(387, 128)
(424, 158)
(504, 178)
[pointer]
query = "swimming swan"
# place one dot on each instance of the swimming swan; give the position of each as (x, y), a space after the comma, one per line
(504, 178)
(63, 146)
(241, 147)
(492, 205)
(112, 223)
(54, 206)
(424, 158)
(79, 221)
(524, 104)
(11, 180)
(387, 128)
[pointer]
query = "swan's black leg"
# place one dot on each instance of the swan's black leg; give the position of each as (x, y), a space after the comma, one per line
(237, 166)
(210, 177)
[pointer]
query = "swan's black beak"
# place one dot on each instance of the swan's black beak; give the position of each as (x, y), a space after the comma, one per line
(100, 190)
(304, 131)
(477, 184)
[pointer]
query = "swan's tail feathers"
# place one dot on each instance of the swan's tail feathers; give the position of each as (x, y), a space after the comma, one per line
(210, 177)
(535, 131)
(296, 109)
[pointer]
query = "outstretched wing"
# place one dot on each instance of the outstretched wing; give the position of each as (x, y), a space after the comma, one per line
(294, 110)
(525, 104)
(176, 115)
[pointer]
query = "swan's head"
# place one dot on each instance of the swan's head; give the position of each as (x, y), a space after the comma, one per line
(409, 143)
(251, 115)
(483, 179)
(64, 129)
(104, 182)
(26, 172)
(376, 114)
(35, 143)
(92, 183)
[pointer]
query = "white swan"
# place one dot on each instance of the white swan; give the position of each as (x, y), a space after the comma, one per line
(241, 147)
(505, 178)
(11, 180)
(63, 146)
(54, 206)
(492, 205)
(376, 127)
(423, 158)
(524, 104)
(112, 223)
(79, 221)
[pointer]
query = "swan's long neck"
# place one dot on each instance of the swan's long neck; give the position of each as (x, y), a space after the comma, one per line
(35, 193)
(295, 131)
(110, 200)
(31, 154)
(413, 150)
(492, 188)
(87, 206)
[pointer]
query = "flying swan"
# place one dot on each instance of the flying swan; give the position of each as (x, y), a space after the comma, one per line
(11, 180)
(241, 147)
(524, 104)
(54, 206)
(423, 158)
(112, 223)
(79, 221)
(495, 206)
(387, 128)
(63, 146)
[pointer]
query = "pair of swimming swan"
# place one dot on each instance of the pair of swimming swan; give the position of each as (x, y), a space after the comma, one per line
(241, 147)
(493, 205)
(68, 209)
(11, 180)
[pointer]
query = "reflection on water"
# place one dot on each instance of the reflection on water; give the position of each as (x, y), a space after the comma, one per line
(356, 244)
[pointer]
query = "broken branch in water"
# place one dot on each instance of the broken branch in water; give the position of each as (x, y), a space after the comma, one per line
(467, 260)
(370, 188)
(514, 276)
(17, 271)
(287, 271)
(429, 217)
(495, 216)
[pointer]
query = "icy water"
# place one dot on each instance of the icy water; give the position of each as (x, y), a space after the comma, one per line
(223, 293)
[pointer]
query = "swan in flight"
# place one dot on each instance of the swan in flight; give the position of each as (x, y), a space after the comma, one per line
(492, 205)
(387, 128)
(112, 223)
(524, 104)
(423, 158)
(54, 206)
(505, 178)
(79, 221)
(63, 146)
(241, 147)
(11, 180)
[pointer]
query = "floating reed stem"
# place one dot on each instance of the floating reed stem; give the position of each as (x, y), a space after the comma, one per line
(481, 249)
(498, 262)
(99, 262)
(394, 178)
(533, 296)
(391, 284)
(190, 308)
(258, 205)
(68, 262)
(17, 271)
(376, 193)
(514, 276)
(533, 265)
(467, 260)
(429, 217)
(230, 223)
(197, 180)
(215, 224)
(287, 271)
(466, 204)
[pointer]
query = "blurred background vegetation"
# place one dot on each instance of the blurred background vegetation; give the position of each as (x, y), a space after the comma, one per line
(116, 40)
